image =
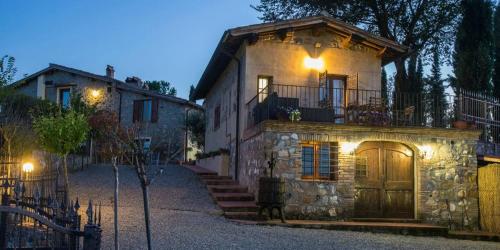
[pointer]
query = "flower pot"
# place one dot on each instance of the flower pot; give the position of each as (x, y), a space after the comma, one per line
(460, 124)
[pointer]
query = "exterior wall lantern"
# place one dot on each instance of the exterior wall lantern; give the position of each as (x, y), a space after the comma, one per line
(28, 167)
(348, 147)
(426, 152)
(95, 93)
(314, 63)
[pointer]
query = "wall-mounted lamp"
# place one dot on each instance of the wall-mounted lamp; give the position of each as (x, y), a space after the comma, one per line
(95, 93)
(314, 63)
(348, 147)
(28, 167)
(426, 151)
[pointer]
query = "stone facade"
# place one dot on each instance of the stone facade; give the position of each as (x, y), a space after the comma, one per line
(113, 95)
(445, 189)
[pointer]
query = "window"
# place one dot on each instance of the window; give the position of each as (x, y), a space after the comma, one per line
(217, 117)
(146, 113)
(361, 167)
(145, 110)
(320, 160)
(64, 98)
(263, 85)
(144, 142)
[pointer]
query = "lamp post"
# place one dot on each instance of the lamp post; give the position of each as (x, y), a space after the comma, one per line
(27, 168)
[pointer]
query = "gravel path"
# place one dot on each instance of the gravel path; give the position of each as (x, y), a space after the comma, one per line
(184, 217)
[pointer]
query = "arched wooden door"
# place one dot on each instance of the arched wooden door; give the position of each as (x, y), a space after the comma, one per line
(384, 180)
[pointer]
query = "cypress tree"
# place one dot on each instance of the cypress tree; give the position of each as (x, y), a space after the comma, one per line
(496, 72)
(436, 98)
(383, 85)
(474, 47)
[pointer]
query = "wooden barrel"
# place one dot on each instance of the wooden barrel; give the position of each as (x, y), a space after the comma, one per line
(271, 191)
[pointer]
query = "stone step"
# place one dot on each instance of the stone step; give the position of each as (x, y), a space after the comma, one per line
(227, 189)
(215, 177)
(233, 196)
(206, 174)
(237, 206)
(215, 182)
(241, 215)
(393, 220)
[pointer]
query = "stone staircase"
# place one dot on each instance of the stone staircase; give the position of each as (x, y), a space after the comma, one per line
(234, 199)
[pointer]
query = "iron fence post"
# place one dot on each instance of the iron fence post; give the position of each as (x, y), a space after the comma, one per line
(3, 220)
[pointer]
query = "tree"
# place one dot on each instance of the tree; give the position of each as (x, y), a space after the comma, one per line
(162, 87)
(496, 32)
(7, 70)
(436, 93)
(62, 134)
(473, 55)
(110, 135)
(191, 93)
(413, 23)
(140, 154)
(196, 127)
(383, 85)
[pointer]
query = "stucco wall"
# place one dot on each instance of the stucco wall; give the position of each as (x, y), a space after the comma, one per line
(284, 61)
(450, 170)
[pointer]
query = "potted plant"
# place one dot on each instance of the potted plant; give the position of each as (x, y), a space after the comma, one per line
(272, 192)
(460, 124)
(294, 115)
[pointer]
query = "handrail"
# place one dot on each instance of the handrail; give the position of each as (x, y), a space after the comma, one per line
(41, 219)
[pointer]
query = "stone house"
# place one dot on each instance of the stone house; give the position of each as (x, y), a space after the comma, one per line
(129, 99)
(308, 93)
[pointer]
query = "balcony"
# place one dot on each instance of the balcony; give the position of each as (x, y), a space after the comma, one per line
(373, 108)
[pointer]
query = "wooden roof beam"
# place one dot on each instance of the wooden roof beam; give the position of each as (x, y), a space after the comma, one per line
(345, 43)
(381, 52)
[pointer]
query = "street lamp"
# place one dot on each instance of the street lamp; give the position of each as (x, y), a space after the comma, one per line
(28, 167)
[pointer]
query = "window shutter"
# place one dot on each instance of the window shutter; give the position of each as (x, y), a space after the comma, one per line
(154, 110)
(137, 115)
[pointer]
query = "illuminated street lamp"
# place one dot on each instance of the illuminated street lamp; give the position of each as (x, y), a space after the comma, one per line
(28, 167)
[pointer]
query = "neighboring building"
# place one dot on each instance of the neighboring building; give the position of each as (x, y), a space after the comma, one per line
(354, 153)
(131, 100)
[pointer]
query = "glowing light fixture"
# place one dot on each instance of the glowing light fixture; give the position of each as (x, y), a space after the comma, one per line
(314, 63)
(348, 147)
(426, 151)
(95, 93)
(28, 167)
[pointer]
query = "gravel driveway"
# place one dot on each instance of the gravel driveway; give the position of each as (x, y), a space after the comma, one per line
(184, 217)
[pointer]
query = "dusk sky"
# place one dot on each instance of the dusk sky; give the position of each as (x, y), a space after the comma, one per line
(154, 40)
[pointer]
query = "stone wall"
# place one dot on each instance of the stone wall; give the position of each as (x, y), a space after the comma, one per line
(442, 176)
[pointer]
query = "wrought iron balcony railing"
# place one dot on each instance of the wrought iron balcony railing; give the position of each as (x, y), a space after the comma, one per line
(350, 106)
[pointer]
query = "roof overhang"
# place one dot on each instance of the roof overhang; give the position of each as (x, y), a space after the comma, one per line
(232, 40)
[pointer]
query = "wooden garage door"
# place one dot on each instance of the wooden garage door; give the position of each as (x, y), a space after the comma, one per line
(384, 180)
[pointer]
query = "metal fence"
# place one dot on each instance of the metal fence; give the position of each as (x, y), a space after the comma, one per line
(374, 108)
(35, 215)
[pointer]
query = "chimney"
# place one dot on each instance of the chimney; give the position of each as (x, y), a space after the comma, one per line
(110, 71)
(134, 80)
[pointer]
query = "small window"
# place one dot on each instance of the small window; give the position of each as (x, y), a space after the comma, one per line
(320, 160)
(264, 83)
(147, 110)
(361, 167)
(64, 98)
(217, 117)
